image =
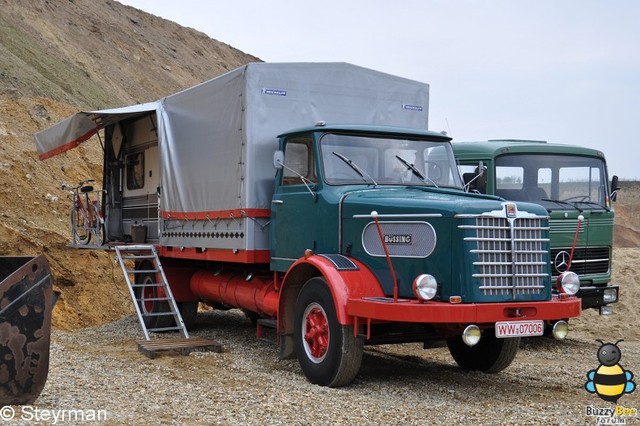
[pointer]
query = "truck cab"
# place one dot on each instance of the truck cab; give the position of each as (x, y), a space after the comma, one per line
(379, 243)
(572, 184)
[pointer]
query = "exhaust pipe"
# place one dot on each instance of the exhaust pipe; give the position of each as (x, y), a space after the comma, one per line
(248, 292)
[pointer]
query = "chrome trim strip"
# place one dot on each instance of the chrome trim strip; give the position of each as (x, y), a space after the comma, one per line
(399, 216)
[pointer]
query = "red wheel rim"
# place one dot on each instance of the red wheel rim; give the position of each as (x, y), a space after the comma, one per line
(148, 293)
(315, 329)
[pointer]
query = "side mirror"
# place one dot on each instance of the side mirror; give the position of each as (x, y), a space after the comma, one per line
(278, 159)
(614, 188)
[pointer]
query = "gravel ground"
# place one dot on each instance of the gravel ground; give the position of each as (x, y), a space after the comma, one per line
(101, 369)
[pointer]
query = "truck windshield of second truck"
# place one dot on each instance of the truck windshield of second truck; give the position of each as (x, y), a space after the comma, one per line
(387, 161)
(556, 181)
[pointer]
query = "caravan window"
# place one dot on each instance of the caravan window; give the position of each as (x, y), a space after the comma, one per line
(135, 171)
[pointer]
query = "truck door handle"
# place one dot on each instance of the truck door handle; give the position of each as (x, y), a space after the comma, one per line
(276, 201)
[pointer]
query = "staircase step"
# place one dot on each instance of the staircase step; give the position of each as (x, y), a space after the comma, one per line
(150, 256)
(141, 285)
(156, 330)
(157, 314)
(154, 299)
(143, 271)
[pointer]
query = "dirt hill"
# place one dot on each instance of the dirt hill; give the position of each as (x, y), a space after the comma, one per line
(58, 57)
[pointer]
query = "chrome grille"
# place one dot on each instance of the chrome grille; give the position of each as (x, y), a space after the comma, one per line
(511, 256)
(586, 260)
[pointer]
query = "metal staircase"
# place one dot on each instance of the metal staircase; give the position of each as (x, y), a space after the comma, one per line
(157, 290)
(154, 291)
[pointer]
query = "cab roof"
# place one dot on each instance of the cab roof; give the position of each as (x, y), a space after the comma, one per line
(359, 128)
(496, 147)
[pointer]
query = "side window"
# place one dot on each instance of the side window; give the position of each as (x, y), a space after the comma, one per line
(509, 177)
(298, 161)
(470, 177)
(509, 183)
(135, 171)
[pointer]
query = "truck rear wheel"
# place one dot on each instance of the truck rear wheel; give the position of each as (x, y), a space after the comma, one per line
(189, 313)
(145, 297)
(328, 352)
(490, 355)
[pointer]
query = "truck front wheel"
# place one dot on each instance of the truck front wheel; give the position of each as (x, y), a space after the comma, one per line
(328, 352)
(490, 355)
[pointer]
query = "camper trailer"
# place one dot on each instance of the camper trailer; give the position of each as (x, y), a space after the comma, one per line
(312, 197)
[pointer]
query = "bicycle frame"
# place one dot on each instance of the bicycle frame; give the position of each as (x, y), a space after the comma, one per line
(86, 215)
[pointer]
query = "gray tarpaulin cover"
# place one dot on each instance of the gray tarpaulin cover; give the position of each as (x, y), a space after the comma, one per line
(216, 139)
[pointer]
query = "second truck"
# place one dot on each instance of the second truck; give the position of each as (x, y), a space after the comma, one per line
(312, 195)
(571, 183)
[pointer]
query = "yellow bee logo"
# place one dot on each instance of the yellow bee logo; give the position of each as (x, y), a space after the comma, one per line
(609, 381)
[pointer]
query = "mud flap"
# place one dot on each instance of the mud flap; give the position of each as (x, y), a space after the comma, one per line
(26, 301)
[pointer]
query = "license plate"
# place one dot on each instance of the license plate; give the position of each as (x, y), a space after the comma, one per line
(519, 328)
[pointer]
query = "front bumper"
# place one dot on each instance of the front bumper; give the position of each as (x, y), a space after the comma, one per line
(593, 297)
(405, 310)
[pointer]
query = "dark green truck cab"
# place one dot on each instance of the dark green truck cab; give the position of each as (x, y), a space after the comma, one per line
(572, 184)
(396, 251)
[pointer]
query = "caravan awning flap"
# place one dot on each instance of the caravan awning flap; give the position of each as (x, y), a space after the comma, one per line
(76, 129)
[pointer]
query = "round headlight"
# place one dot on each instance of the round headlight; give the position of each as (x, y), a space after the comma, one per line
(560, 330)
(471, 335)
(425, 287)
(568, 282)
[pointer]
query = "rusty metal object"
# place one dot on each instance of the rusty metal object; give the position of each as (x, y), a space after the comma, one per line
(26, 301)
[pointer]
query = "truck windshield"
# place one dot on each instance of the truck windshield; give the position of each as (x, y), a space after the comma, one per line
(558, 182)
(356, 159)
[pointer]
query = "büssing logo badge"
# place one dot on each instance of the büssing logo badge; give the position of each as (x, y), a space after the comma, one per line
(609, 381)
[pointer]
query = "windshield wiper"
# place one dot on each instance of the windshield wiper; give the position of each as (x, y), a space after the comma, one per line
(562, 203)
(355, 167)
(593, 203)
(415, 171)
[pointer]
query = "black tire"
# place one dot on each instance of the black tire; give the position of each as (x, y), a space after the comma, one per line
(189, 313)
(79, 233)
(328, 352)
(490, 355)
(152, 306)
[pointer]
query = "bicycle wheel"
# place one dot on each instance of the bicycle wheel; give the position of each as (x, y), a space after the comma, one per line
(79, 231)
(97, 225)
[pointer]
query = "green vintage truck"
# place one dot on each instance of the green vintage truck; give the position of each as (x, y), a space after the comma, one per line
(570, 182)
(312, 197)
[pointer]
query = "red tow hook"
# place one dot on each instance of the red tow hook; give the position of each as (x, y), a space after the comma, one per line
(575, 241)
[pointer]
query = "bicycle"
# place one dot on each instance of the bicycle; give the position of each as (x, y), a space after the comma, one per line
(86, 215)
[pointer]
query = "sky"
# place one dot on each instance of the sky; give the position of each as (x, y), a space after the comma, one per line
(565, 71)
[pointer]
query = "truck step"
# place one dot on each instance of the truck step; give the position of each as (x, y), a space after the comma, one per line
(261, 323)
